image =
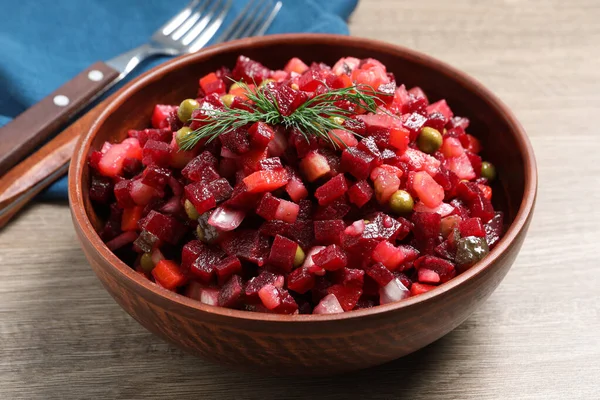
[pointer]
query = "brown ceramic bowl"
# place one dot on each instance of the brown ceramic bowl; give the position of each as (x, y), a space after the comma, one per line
(310, 344)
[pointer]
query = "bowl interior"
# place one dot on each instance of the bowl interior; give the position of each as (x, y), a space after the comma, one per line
(178, 79)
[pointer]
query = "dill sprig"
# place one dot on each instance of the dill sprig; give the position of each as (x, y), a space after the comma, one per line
(312, 118)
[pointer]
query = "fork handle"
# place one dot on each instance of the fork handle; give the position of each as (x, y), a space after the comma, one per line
(36, 124)
(46, 165)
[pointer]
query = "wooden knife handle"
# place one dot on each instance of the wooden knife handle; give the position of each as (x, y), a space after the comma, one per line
(35, 125)
(42, 168)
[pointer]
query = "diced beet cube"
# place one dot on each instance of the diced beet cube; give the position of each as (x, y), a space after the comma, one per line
(442, 108)
(288, 99)
(436, 121)
(381, 227)
(314, 165)
(249, 245)
(268, 206)
(300, 280)
(165, 227)
(156, 152)
(203, 267)
(190, 252)
(211, 83)
(162, 135)
(283, 252)
(355, 125)
(266, 181)
(494, 229)
(357, 162)
(329, 231)
(227, 267)
(471, 227)
(201, 197)
(347, 296)
(250, 71)
(303, 144)
(369, 145)
(231, 294)
(426, 225)
(414, 122)
(387, 254)
(132, 167)
(443, 268)
(336, 210)
(331, 258)
(270, 164)
(360, 193)
(236, 140)
(405, 227)
(160, 114)
(101, 189)
(331, 190)
(155, 176)
(220, 189)
(306, 209)
(310, 81)
(287, 304)
(194, 169)
(242, 199)
(482, 208)
(256, 283)
(379, 273)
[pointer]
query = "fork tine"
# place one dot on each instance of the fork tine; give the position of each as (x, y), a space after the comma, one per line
(253, 20)
(223, 37)
(190, 21)
(178, 19)
(210, 30)
(247, 20)
(263, 28)
(200, 25)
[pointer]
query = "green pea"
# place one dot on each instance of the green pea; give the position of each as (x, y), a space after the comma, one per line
(227, 99)
(184, 112)
(488, 171)
(429, 140)
(401, 202)
(182, 135)
(190, 210)
(299, 257)
(337, 120)
(146, 262)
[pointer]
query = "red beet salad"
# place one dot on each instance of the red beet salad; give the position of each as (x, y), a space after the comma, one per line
(312, 189)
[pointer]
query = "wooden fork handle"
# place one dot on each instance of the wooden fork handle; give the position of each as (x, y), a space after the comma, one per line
(42, 168)
(36, 124)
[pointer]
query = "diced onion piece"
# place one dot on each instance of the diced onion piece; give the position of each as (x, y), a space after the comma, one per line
(393, 291)
(226, 219)
(328, 305)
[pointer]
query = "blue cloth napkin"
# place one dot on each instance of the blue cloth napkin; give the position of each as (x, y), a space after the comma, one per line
(45, 43)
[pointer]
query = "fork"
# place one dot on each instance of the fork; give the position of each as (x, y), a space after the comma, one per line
(196, 22)
(188, 31)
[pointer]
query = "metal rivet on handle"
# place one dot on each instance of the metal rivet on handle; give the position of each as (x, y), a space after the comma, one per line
(61, 100)
(95, 75)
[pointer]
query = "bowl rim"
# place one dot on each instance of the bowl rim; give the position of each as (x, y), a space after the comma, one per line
(125, 272)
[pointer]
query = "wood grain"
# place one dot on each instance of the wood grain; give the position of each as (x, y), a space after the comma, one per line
(63, 337)
(38, 123)
(34, 174)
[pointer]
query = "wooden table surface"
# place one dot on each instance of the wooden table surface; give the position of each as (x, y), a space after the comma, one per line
(537, 337)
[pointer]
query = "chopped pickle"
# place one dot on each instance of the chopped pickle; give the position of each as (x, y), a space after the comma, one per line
(470, 249)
